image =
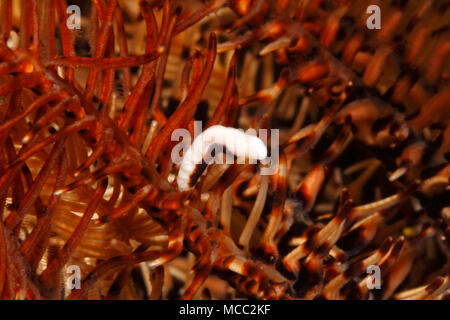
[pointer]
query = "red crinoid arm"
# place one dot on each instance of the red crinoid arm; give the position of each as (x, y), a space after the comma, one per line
(66, 37)
(227, 93)
(105, 141)
(184, 81)
(17, 192)
(308, 190)
(155, 107)
(106, 63)
(5, 181)
(157, 281)
(34, 246)
(187, 21)
(193, 63)
(39, 206)
(29, 28)
(15, 218)
(148, 71)
(339, 144)
(22, 80)
(47, 28)
(197, 63)
(11, 66)
(204, 264)
(438, 104)
(39, 102)
(151, 26)
(311, 139)
(76, 126)
(50, 274)
(231, 116)
(226, 180)
(109, 74)
(17, 272)
(98, 174)
(126, 207)
(167, 28)
(255, 213)
(2, 256)
(139, 124)
(187, 109)
(5, 19)
(100, 48)
(122, 41)
(63, 105)
(437, 62)
(256, 10)
(267, 244)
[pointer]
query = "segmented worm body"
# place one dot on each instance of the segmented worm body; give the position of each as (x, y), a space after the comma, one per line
(225, 139)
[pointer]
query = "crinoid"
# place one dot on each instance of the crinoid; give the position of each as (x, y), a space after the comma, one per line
(358, 118)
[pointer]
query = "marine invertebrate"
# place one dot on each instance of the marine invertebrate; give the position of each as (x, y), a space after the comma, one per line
(86, 177)
(213, 141)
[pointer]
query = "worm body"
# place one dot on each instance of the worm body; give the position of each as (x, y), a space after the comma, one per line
(228, 140)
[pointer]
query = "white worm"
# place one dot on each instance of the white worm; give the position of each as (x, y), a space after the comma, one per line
(232, 140)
